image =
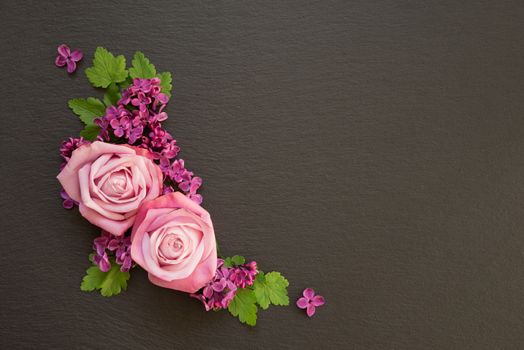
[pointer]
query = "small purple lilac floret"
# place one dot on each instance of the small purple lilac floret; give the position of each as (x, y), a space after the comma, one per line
(120, 246)
(66, 150)
(66, 57)
(68, 146)
(68, 202)
(310, 301)
(219, 293)
(244, 275)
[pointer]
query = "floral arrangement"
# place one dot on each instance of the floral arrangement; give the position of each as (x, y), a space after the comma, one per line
(125, 176)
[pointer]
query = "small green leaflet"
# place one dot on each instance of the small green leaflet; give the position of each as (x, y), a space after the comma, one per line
(87, 108)
(244, 306)
(109, 283)
(271, 288)
(106, 69)
(234, 261)
(90, 132)
(165, 83)
(142, 68)
(126, 83)
(112, 95)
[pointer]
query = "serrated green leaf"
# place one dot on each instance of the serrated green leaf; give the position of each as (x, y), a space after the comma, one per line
(92, 279)
(271, 288)
(90, 132)
(109, 283)
(244, 306)
(142, 68)
(238, 259)
(165, 83)
(87, 108)
(112, 95)
(106, 69)
(234, 261)
(126, 83)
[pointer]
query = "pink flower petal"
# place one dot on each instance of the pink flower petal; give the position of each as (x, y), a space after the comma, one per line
(71, 66)
(60, 61)
(318, 300)
(77, 55)
(63, 50)
(302, 303)
(310, 310)
(308, 293)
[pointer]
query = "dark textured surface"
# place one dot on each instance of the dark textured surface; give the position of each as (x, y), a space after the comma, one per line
(370, 149)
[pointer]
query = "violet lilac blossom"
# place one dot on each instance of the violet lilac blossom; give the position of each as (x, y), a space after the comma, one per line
(66, 57)
(137, 118)
(120, 246)
(310, 301)
(219, 293)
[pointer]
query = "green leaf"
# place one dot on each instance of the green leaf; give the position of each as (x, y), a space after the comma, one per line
(165, 83)
(142, 68)
(271, 288)
(112, 95)
(90, 132)
(244, 306)
(87, 108)
(234, 261)
(109, 283)
(106, 69)
(92, 279)
(126, 83)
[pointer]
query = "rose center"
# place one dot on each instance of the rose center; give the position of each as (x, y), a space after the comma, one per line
(118, 182)
(172, 246)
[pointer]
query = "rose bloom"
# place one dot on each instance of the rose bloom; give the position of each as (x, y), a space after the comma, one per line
(110, 182)
(174, 241)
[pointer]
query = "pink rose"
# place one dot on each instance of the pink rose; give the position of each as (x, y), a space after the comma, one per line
(110, 182)
(174, 241)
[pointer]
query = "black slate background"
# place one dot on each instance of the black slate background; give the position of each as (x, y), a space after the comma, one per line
(372, 150)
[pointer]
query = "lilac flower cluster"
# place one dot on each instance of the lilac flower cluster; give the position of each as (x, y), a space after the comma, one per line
(244, 275)
(68, 146)
(185, 179)
(219, 293)
(66, 150)
(137, 118)
(121, 246)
